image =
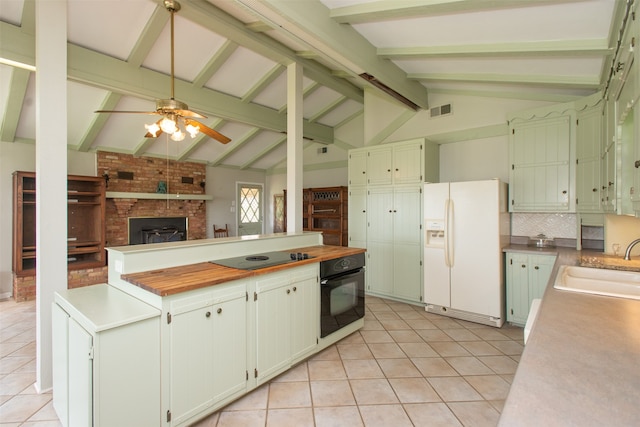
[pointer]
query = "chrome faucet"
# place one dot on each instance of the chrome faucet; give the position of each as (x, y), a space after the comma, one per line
(627, 254)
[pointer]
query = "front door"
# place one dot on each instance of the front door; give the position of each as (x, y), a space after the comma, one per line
(250, 211)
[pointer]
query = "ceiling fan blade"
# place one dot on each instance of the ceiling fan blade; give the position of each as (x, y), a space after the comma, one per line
(208, 131)
(128, 112)
(189, 113)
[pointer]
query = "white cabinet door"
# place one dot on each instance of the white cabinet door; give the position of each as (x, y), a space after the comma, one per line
(273, 346)
(380, 241)
(60, 359)
(394, 236)
(517, 288)
(408, 163)
(81, 376)
(407, 242)
(192, 347)
(358, 217)
(230, 346)
(305, 315)
(379, 165)
(540, 165)
(286, 319)
(540, 267)
(358, 167)
(208, 347)
(588, 154)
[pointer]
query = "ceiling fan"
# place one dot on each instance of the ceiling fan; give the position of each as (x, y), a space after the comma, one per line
(175, 112)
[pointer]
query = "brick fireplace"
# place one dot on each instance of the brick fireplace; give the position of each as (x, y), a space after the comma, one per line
(130, 174)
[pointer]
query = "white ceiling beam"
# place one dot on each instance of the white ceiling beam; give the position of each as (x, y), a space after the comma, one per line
(204, 13)
(308, 22)
(263, 152)
(396, 9)
(573, 48)
(99, 120)
(262, 84)
(327, 109)
(234, 146)
(584, 82)
(13, 107)
(215, 63)
(149, 36)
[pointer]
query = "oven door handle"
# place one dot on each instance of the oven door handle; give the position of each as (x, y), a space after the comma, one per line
(342, 276)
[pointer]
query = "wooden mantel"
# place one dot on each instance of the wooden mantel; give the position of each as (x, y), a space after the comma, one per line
(156, 196)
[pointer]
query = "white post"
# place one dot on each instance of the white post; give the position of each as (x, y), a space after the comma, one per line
(294, 147)
(51, 174)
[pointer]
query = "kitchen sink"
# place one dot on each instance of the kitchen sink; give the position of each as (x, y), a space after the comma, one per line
(599, 281)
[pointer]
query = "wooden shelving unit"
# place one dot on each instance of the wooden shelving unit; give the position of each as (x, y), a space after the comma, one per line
(325, 209)
(85, 222)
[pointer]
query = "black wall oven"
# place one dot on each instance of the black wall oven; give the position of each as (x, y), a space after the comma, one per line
(341, 292)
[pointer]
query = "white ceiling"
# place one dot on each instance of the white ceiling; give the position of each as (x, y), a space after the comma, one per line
(231, 58)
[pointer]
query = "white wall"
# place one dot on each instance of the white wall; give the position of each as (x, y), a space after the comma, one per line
(221, 184)
(15, 156)
(474, 160)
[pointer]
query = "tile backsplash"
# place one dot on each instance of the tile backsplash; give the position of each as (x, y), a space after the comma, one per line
(555, 225)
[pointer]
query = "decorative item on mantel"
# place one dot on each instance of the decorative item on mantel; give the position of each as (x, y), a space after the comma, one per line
(162, 187)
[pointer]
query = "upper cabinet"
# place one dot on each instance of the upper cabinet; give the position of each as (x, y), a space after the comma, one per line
(540, 154)
(408, 162)
(556, 158)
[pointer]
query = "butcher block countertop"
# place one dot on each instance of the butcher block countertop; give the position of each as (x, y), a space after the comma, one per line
(170, 281)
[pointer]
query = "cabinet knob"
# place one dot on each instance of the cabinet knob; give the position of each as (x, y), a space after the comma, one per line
(397, 169)
(594, 190)
(395, 210)
(208, 314)
(523, 266)
(295, 288)
(364, 172)
(363, 211)
(390, 211)
(610, 183)
(536, 267)
(288, 291)
(219, 310)
(388, 170)
(564, 192)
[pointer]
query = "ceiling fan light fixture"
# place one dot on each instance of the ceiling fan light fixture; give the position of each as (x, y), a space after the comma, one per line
(153, 129)
(168, 125)
(178, 135)
(193, 130)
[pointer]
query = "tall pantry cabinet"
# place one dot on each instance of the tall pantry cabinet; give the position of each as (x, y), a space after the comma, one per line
(385, 213)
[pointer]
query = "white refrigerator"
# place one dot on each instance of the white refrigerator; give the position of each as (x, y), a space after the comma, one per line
(466, 226)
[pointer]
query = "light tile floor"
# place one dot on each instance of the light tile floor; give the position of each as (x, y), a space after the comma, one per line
(406, 367)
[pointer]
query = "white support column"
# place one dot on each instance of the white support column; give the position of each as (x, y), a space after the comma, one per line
(294, 147)
(51, 174)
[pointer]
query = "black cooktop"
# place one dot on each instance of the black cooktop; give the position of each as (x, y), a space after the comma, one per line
(261, 260)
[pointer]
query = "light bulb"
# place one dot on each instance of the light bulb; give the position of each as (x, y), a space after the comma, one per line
(193, 130)
(153, 129)
(178, 135)
(168, 125)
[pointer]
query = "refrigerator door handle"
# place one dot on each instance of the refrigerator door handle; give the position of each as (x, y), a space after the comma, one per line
(449, 233)
(447, 261)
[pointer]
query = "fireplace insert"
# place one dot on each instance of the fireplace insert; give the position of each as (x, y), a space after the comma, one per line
(143, 230)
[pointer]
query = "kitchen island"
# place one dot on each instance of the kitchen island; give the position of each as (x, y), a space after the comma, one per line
(580, 365)
(219, 332)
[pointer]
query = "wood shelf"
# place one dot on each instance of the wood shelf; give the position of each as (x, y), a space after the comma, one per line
(85, 222)
(325, 209)
(156, 196)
